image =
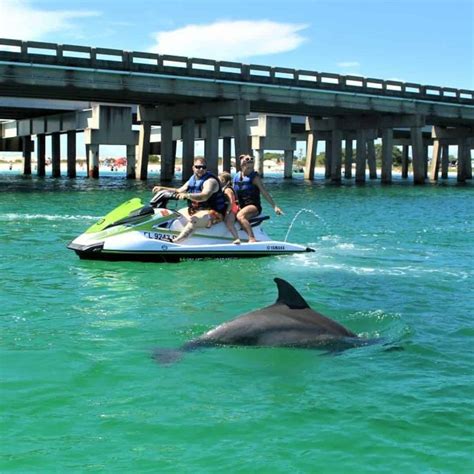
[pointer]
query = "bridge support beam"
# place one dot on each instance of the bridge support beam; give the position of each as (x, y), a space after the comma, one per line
(435, 161)
(226, 151)
(41, 154)
(348, 160)
(444, 161)
(361, 156)
(328, 159)
(71, 153)
(56, 154)
(371, 159)
(311, 154)
(93, 160)
(143, 150)
(211, 144)
(464, 161)
(131, 162)
(288, 165)
(27, 146)
(241, 138)
(405, 161)
(336, 156)
(187, 134)
(259, 157)
(425, 158)
(167, 158)
(387, 155)
(418, 158)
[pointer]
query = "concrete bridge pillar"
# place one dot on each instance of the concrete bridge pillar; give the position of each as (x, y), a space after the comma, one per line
(167, 158)
(211, 144)
(27, 146)
(405, 161)
(425, 159)
(464, 161)
(361, 156)
(56, 154)
(371, 159)
(41, 154)
(469, 147)
(387, 155)
(348, 160)
(288, 166)
(328, 159)
(311, 154)
(418, 158)
(259, 154)
(143, 150)
(71, 153)
(226, 146)
(435, 161)
(336, 155)
(187, 135)
(131, 162)
(93, 160)
(241, 138)
(444, 161)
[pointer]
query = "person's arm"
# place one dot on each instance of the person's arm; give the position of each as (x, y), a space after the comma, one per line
(208, 189)
(182, 189)
(258, 182)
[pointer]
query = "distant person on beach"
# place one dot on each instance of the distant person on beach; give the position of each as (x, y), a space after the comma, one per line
(232, 205)
(206, 201)
(248, 186)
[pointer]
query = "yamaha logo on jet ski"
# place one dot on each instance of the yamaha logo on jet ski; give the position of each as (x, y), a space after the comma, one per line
(134, 231)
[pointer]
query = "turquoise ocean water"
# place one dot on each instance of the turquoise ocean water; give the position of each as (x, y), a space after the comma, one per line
(80, 391)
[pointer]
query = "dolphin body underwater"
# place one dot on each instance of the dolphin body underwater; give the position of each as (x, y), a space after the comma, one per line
(289, 322)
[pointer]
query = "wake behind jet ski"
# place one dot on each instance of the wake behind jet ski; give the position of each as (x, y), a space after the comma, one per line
(145, 232)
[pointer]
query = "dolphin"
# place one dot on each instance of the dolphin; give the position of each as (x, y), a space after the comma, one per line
(289, 322)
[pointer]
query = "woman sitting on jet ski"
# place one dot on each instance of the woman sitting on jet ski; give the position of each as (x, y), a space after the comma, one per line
(248, 185)
(206, 202)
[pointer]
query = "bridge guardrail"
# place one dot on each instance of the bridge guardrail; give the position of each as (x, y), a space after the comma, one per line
(66, 55)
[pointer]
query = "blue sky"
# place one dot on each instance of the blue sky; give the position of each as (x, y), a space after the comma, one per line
(428, 42)
(423, 41)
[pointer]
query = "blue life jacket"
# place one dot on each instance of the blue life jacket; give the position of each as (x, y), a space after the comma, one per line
(247, 192)
(216, 202)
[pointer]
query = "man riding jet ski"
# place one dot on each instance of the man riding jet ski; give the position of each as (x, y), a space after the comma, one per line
(206, 201)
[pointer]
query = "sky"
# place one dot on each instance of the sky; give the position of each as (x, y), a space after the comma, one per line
(422, 41)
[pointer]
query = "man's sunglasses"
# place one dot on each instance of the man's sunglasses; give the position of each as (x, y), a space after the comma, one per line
(200, 167)
(247, 160)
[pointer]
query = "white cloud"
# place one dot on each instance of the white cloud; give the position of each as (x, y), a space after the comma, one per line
(230, 40)
(348, 64)
(19, 20)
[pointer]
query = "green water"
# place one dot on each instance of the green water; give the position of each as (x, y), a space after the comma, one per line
(80, 391)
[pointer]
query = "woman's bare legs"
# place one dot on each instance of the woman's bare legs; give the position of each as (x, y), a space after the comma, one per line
(243, 217)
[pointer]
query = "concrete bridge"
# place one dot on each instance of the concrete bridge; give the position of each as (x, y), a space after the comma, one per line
(257, 107)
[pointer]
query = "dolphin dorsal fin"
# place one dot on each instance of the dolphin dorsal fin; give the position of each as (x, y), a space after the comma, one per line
(288, 296)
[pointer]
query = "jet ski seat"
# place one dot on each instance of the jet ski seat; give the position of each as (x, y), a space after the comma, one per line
(257, 220)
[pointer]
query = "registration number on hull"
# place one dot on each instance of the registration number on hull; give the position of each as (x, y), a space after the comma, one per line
(158, 236)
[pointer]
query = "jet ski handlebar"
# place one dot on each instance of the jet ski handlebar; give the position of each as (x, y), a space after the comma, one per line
(161, 198)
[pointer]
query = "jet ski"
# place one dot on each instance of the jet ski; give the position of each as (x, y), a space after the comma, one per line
(134, 231)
